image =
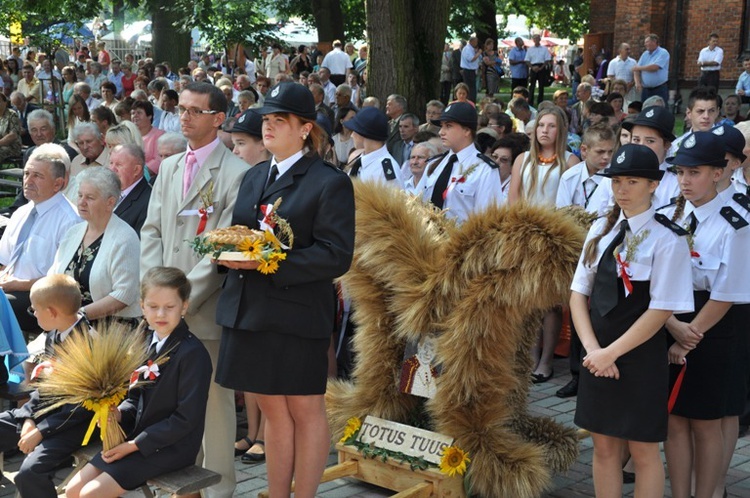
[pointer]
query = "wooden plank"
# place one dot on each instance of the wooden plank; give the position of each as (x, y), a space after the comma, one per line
(339, 471)
(186, 481)
(12, 172)
(423, 490)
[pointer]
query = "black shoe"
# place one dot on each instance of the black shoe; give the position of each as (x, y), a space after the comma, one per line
(254, 457)
(568, 390)
(539, 378)
(628, 477)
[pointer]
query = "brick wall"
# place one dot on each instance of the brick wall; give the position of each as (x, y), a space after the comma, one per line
(633, 19)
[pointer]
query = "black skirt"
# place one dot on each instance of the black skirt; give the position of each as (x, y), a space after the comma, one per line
(634, 407)
(272, 363)
(135, 470)
(703, 394)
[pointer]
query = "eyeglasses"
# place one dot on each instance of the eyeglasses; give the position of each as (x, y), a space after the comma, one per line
(501, 159)
(423, 158)
(193, 112)
(30, 310)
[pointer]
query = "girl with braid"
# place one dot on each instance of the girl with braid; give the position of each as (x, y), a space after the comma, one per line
(700, 353)
(632, 269)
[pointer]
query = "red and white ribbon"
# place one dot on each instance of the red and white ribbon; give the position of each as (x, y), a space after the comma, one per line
(203, 213)
(150, 371)
(452, 185)
(42, 367)
(267, 222)
(623, 271)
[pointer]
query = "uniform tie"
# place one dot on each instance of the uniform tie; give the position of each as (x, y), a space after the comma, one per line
(605, 297)
(442, 182)
(272, 177)
(356, 167)
(693, 223)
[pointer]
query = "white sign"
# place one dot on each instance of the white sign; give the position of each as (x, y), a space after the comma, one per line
(403, 438)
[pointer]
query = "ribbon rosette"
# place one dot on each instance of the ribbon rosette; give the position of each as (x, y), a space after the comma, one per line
(203, 213)
(43, 367)
(452, 185)
(267, 223)
(150, 371)
(623, 271)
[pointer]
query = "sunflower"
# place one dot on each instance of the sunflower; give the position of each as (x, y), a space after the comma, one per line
(352, 428)
(277, 256)
(270, 238)
(266, 266)
(250, 247)
(454, 461)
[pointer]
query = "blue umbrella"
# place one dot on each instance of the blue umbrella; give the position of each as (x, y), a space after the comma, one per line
(63, 32)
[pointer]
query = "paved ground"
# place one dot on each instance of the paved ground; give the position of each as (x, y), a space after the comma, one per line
(576, 482)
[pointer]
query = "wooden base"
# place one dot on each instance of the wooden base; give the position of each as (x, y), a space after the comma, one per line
(392, 475)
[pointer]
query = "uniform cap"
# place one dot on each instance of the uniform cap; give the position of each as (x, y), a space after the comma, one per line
(292, 98)
(656, 117)
(249, 122)
(462, 113)
(734, 140)
(634, 160)
(702, 148)
(370, 122)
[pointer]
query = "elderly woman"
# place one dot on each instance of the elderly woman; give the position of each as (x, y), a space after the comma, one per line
(10, 130)
(142, 115)
(102, 253)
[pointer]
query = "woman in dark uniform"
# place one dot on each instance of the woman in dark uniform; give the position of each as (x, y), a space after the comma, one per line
(702, 342)
(633, 268)
(277, 327)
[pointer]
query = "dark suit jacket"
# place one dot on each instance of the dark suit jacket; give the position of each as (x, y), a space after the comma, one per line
(167, 417)
(318, 203)
(133, 208)
(24, 117)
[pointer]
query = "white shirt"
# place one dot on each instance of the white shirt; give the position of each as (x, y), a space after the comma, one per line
(505, 187)
(661, 258)
(54, 217)
(621, 69)
(372, 168)
(159, 342)
(537, 55)
(337, 61)
(329, 89)
(577, 187)
(719, 259)
(250, 71)
(410, 187)
(603, 199)
(93, 103)
(286, 164)
(739, 183)
(708, 55)
(170, 122)
(479, 189)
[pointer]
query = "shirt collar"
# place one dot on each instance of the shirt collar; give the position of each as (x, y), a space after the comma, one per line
(44, 206)
(62, 335)
(287, 163)
(704, 211)
(374, 156)
(466, 155)
(127, 191)
(159, 342)
(638, 221)
(202, 153)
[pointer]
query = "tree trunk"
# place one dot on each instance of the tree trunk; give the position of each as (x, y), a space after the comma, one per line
(406, 45)
(118, 16)
(486, 21)
(168, 44)
(330, 22)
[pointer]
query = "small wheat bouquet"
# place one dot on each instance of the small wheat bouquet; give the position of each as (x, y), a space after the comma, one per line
(95, 371)
(267, 246)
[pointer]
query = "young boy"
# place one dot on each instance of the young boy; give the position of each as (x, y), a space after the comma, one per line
(50, 439)
(579, 183)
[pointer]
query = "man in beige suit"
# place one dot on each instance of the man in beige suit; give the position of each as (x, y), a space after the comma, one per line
(207, 170)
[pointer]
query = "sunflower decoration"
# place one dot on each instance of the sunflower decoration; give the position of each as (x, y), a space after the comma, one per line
(239, 243)
(454, 461)
(351, 431)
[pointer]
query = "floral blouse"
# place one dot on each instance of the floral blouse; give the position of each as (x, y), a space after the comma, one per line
(80, 268)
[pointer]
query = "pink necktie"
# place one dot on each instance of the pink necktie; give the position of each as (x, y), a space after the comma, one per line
(191, 167)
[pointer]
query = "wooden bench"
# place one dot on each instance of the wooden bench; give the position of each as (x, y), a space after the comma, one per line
(15, 392)
(180, 482)
(15, 184)
(12, 172)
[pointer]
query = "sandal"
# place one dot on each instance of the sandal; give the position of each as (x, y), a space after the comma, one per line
(248, 457)
(238, 451)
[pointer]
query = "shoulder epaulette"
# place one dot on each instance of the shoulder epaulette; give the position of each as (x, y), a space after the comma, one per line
(672, 202)
(733, 217)
(490, 162)
(670, 224)
(742, 200)
(388, 171)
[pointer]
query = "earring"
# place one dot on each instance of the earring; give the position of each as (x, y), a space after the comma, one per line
(304, 137)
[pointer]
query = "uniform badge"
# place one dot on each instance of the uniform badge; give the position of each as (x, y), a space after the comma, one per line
(689, 142)
(621, 158)
(242, 118)
(650, 114)
(275, 91)
(733, 217)
(388, 169)
(718, 131)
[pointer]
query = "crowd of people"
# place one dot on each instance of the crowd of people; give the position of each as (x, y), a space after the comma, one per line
(153, 158)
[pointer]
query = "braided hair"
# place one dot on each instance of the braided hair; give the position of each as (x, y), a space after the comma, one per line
(589, 253)
(680, 207)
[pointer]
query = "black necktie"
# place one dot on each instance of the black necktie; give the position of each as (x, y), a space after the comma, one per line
(356, 167)
(152, 350)
(693, 223)
(272, 178)
(442, 182)
(747, 191)
(604, 299)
